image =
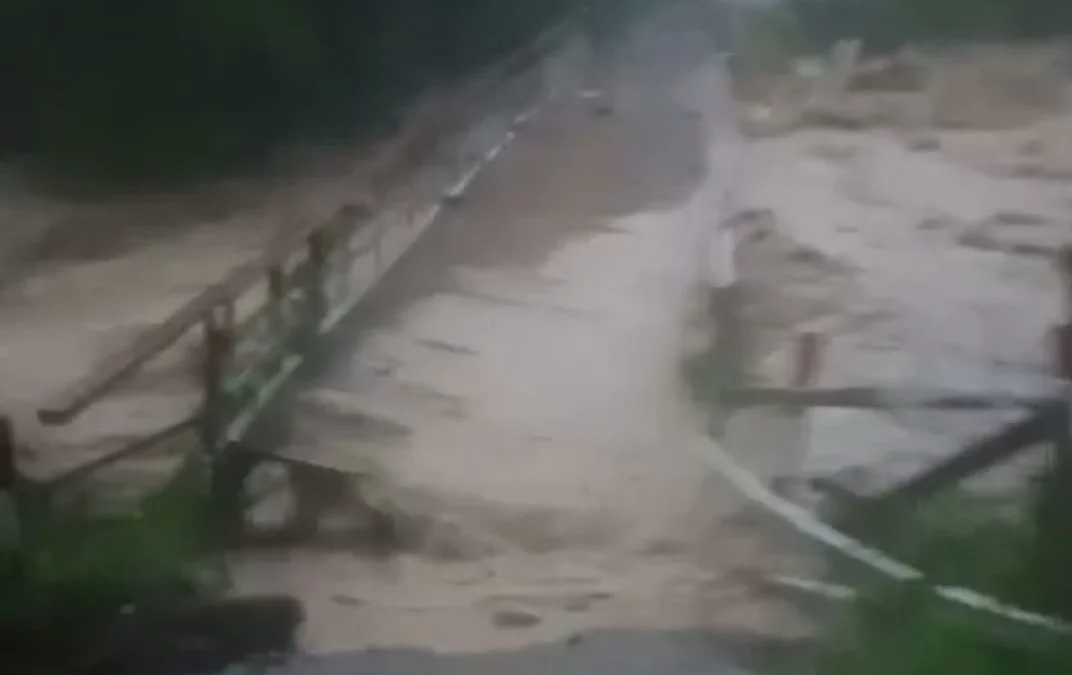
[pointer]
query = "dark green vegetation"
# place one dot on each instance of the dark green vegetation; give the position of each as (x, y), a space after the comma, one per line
(173, 88)
(988, 545)
(76, 573)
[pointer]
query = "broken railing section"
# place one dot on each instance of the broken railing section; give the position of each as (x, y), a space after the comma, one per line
(1046, 417)
(1047, 422)
(10, 517)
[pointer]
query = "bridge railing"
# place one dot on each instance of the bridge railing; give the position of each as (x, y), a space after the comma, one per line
(257, 324)
(312, 239)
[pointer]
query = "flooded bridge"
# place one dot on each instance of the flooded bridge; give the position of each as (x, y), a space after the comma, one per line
(490, 352)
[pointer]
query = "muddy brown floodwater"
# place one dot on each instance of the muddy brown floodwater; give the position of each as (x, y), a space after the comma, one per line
(524, 358)
(528, 355)
(917, 234)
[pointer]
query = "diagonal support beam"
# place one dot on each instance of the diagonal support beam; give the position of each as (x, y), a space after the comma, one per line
(977, 456)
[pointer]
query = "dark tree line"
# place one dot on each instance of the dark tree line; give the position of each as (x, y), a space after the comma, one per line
(171, 87)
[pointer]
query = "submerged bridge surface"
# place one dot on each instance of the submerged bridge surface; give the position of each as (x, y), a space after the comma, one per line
(497, 348)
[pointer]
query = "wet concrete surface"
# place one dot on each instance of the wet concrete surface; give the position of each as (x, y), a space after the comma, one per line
(611, 652)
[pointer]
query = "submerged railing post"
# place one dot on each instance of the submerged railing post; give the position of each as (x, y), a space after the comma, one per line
(1053, 511)
(377, 250)
(11, 525)
(316, 292)
(277, 320)
(803, 374)
(218, 345)
(726, 304)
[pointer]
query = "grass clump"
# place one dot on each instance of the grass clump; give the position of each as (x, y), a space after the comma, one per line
(904, 629)
(76, 573)
(897, 628)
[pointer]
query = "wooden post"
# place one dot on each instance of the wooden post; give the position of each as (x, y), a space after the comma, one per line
(1053, 514)
(316, 293)
(10, 516)
(277, 290)
(804, 371)
(228, 496)
(806, 365)
(277, 319)
(7, 455)
(219, 343)
(377, 255)
(353, 217)
(726, 303)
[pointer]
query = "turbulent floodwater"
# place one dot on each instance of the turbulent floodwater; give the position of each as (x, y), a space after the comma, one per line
(528, 354)
(926, 266)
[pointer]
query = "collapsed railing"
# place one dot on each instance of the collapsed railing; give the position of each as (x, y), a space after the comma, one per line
(1047, 421)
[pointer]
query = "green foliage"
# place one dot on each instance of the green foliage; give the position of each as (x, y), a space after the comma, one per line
(76, 572)
(904, 629)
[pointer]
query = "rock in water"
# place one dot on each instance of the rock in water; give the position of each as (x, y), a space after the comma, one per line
(516, 618)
